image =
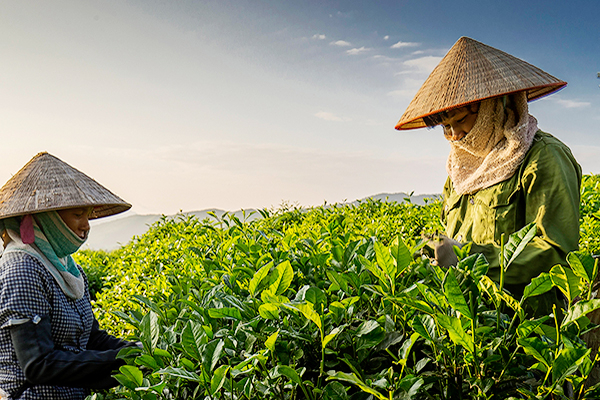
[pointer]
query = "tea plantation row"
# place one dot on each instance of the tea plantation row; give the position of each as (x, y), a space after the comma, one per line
(338, 302)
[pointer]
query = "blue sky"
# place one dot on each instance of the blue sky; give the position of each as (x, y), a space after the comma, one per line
(244, 104)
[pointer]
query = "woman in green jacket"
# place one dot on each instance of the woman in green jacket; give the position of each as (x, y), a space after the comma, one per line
(503, 172)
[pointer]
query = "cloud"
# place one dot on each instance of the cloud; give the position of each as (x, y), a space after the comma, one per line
(358, 50)
(327, 116)
(401, 45)
(569, 103)
(319, 37)
(341, 43)
(386, 37)
(424, 64)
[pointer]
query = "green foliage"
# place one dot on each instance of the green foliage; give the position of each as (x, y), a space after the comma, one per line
(590, 214)
(96, 265)
(330, 303)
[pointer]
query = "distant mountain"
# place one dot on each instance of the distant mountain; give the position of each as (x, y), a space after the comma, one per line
(112, 232)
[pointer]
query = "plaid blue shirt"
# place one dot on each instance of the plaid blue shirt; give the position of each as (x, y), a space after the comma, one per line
(28, 290)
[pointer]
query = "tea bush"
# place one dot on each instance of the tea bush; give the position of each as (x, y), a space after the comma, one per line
(331, 303)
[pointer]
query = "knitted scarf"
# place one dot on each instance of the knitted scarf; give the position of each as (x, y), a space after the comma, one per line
(494, 148)
(52, 243)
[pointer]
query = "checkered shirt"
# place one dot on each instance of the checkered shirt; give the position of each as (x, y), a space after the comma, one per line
(27, 290)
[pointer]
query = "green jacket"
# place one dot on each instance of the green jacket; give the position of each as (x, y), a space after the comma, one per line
(545, 189)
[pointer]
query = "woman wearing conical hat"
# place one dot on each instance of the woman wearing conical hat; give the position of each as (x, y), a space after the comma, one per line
(51, 346)
(503, 172)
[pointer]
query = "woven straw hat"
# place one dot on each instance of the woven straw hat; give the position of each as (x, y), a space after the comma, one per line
(46, 183)
(471, 72)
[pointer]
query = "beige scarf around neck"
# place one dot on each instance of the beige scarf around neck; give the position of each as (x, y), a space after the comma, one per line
(494, 148)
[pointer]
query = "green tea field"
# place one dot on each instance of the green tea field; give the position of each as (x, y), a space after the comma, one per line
(339, 302)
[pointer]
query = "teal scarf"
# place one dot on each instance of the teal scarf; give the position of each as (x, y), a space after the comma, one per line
(53, 245)
(57, 241)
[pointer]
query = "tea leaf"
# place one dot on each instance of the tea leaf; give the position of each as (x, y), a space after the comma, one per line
(218, 379)
(416, 304)
(225, 312)
(180, 373)
(536, 348)
(567, 362)
(288, 372)
(211, 354)
(539, 285)
(455, 296)
(268, 311)
(148, 361)
(456, 331)
(331, 335)
(527, 327)
(133, 374)
(566, 280)
(580, 309)
(315, 296)
(385, 262)
(285, 274)
(424, 325)
(480, 267)
(270, 342)
(402, 255)
(258, 277)
(582, 265)
(411, 386)
(149, 331)
(367, 327)
(125, 381)
(309, 312)
(192, 338)
(375, 270)
(352, 378)
(337, 279)
(517, 242)
(335, 391)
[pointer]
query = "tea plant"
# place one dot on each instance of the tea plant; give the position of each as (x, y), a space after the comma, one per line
(332, 303)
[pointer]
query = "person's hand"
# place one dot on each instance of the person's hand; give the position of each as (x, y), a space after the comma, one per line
(443, 250)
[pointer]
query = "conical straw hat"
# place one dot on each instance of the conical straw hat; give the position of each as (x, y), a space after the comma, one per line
(471, 72)
(46, 183)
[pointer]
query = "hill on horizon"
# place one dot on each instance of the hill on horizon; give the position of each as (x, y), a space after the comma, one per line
(112, 232)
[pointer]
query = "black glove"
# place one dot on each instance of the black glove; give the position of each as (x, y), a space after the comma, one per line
(100, 340)
(43, 364)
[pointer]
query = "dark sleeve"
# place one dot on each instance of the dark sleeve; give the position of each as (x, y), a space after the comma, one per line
(42, 364)
(101, 340)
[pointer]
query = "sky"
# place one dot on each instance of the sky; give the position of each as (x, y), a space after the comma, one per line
(234, 104)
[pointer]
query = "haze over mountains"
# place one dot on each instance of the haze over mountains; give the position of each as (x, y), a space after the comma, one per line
(112, 232)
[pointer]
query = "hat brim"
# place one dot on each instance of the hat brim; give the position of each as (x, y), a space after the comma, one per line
(471, 72)
(47, 183)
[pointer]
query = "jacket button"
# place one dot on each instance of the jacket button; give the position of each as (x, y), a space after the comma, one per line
(471, 201)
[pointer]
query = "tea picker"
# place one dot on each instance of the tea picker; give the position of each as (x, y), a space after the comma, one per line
(503, 171)
(51, 346)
